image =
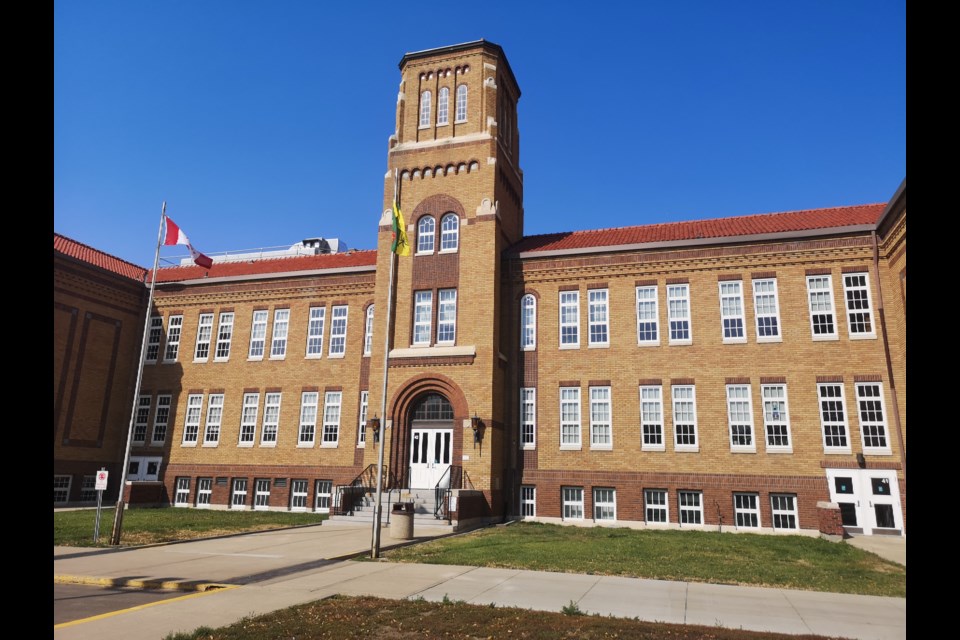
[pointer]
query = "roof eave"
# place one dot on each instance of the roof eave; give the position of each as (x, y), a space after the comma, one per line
(270, 276)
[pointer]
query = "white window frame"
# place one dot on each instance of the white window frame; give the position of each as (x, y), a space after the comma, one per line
(820, 302)
(270, 425)
(368, 332)
(204, 495)
(426, 237)
(858, 304)
(528, 418)
(688, 513)
(248, 420)
(238, 494)
(776, 418)
(307, 432)
(339, 314)
(678, 313)
(572, 499)
(648, 316)
(745, 513)
(181, 496)
(604, 504)
(461, 106)
(740, 430)
(691, 424)
(332, 402)
(88, 489)
(570, 423)
(528, 322)
(425, 100)
(733, 322)
(141, 419)
(841, 425)
(443, 106)
(204, 334)
(161, 419)
(449, 233)
(298, 495)
(258, 335)
(783, 511)
(323, 496)
(153, 339)
(656, 501)
(651, 418)
(422, 317)
(872, 415)
(211, 428)
(281, 331)
(174, 331)
(364, 408)
(61, 486)
(224, 337)
(601, 418)
(261, 494)
(766, 310)
(447, 316)
(191, 420)
(528, 501)
(316, 320)
(570, 303)
(598, 318)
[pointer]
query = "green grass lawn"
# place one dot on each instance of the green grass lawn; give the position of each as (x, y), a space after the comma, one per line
(147, 526)
(792, 562)
(366, 618)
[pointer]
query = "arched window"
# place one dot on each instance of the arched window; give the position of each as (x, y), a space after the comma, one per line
(450, 232)
(443, 99)
(462, 103)
(368, 333)
(433, 407)
(425, 109)
(528, 322)
(426, 230)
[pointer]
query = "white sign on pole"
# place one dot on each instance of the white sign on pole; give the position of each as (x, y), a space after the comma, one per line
(101, 484)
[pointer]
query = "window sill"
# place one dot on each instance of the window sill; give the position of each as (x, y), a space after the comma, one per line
(211, 445)
(329, 445)
(571, 447)
(200, 360)
(569, 346)
(336, 356)
(313, 356)
(680, 343)
(305, 445)
(278, 357)
(445, 251)
(734, 341)
(600, 345)
(528, 447)
(770, 339)
(423, 253)
(687, 449)
(245, 445)
(221, 359)
(822, 338)
(743, 449)
(254, 358)
(834, 452)
(782, 450)
(653, 448)
(649, 343)
(533, 348)
(169, 362)
(268, 445)
(367, 354)
(863, 336)
(150, 362)
(188, 444)
(871, 451)
(420, 351)
(361, 445)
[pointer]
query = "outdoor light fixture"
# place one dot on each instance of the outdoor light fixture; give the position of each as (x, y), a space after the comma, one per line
(477, 425)
(861, 461)
(374, 424)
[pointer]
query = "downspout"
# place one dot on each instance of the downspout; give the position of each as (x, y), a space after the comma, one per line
(886, 350)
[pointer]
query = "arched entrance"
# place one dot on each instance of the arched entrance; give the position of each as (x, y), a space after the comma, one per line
(426, 442)
(431, 442)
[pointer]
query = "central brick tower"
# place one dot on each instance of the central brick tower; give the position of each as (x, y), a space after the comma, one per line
(456, 151)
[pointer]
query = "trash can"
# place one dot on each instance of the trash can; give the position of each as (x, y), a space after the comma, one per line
(401, 521)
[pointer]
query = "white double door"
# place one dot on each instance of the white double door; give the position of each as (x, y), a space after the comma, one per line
(869, 499)
(430, 452)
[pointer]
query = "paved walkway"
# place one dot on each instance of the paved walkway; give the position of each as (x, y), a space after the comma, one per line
(283, 568)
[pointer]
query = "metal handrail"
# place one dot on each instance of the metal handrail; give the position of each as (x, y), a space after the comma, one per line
(441, 494)
(365, 482)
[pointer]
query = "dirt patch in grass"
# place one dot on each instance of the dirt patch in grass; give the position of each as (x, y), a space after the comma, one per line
(379, 619)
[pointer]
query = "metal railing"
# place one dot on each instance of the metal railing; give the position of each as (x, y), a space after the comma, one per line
(451, 479)
(347, 495)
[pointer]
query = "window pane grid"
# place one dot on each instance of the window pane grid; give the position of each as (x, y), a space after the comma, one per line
(740, 416)
(174, 329)
(238, 499)
(182, 493)
(569, 416)
(767, 308)
(443, 99)
(426, 230)
(528, 501)
(820, 293)
(775, 417)
(224, 336)
(651, 416)
(331, 417)
(597, 314)
(647, 315)
(141, 419)
(191, 422)
(461, 103)
(308, 418)
(161, 419)
(261, 495)
(422, 317)
(338, 331)
(678, 309)
(153, 339)
(684, 416)
(528, 322)
(248, 418)
(870, 405)
(281, 322)
(298, 495)
(449, 232)
(833, 416)
(318, 316)
(691, 507)
(271, 419)
(211, 434)
(258, 334)
(655, 505)
(447, 317)
(604, 504)
(857, 296)
(368, 332)
(570, 318)
(528, 408)
(204, 330)
(425, 109)
(204, 491)
(731, 309)
(746, 510)
(322, 501)
(573, 503)
(783, 508)
(600, 420)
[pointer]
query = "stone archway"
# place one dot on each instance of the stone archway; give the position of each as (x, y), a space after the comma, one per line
(402, 406)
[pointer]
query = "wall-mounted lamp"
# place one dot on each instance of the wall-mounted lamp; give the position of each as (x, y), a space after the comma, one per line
(861, 461)
(477, 425)
(374, 424)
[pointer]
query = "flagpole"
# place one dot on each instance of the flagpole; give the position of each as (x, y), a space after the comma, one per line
(118, 513)
(378, 508)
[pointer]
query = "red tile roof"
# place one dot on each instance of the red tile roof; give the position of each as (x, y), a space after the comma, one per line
(97, 258)
(765, 223)
(364, 258)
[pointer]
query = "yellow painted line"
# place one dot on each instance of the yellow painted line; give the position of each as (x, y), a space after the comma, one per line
(169, 585)
(139, 607)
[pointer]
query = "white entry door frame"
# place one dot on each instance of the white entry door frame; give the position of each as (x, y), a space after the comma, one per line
(869, 500)
(430, 453)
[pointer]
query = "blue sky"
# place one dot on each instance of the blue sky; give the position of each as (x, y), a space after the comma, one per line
(262, 123)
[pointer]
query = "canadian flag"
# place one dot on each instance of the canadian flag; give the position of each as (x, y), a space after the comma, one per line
(175, 235)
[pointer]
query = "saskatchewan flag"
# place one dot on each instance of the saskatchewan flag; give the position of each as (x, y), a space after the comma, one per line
(401, 245)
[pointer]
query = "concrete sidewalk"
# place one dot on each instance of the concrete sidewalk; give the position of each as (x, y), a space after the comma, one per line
(284, 568)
